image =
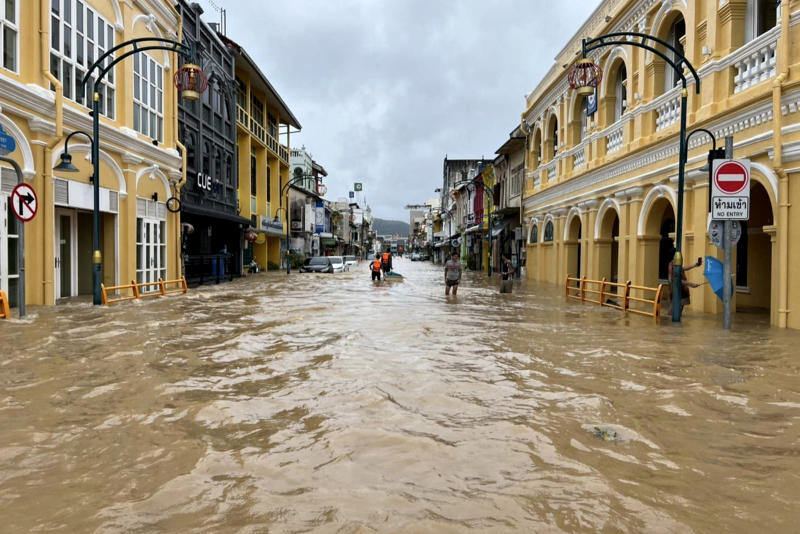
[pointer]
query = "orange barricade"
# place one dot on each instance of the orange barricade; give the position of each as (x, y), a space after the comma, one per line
(136, 292)
(603, 292)
(5, 311)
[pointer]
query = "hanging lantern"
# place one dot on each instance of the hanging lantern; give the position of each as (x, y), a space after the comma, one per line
(191, 81)
(250, 237)
(584, 77)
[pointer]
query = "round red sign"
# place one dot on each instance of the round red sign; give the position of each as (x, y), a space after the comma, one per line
(731, 177)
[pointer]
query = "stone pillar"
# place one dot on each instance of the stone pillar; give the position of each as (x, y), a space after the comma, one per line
(633, 268)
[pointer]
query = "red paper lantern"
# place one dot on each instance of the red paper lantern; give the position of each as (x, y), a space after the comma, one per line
(191, 81)
(584, 77)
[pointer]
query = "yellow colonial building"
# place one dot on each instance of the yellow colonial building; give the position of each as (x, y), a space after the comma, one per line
(47, 45)
(600, 193)
(263, 159)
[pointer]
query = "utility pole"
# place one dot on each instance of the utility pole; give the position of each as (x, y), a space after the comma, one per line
(727, 242)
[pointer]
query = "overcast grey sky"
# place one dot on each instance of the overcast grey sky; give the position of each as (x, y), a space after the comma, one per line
(385, 88)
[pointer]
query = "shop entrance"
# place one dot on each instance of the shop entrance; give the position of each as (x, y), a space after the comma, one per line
(73, 251)
(754, 255)
(9, 238)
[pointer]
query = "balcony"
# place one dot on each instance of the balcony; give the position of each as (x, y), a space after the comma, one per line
(258, 131)
(614, 139)
(668, 108)
(755, 61)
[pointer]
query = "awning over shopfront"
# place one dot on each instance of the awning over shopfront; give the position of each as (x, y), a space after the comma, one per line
(498, 228)
(471, 229)
(205, 212)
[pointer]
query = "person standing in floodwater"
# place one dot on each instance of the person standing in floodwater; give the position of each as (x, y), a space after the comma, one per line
(452, 274)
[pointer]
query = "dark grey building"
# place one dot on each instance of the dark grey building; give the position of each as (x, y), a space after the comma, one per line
(212, 228)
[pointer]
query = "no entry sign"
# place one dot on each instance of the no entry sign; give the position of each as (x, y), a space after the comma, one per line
(730, 190)
(24, 202)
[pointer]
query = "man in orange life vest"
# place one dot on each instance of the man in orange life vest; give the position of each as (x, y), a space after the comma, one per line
(375, 267)
(386, 261)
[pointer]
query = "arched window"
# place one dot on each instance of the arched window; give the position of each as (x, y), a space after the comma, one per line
(218, 165)
(761, 16)
(536, 149)
(554, 135)
(229, 171)
(675, 37)
(206, 159)
(548, 232)
(534, 236)
(620, 93)
(190, 153)
(584, 119)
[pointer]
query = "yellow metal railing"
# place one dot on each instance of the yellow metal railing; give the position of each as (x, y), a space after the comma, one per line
(5, 311)
(135, 290)
(603, 292)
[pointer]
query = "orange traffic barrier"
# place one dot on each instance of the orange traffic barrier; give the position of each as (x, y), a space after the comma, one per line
(5, 311)
(136, 292)
(645, 300)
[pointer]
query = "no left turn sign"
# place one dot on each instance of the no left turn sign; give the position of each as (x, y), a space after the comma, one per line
(24, 202)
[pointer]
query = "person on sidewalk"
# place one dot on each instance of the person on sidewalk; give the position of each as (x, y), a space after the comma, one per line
(375, 267)
(506, 276)
(452, 274)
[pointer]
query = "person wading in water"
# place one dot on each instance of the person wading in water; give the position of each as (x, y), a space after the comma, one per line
(452, 274)
(375, 267)
(386, 261)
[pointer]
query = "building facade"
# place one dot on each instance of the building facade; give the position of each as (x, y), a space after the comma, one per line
(600, 194)
(212, 230)
(47, 47)
(263, 161)
(507, 231)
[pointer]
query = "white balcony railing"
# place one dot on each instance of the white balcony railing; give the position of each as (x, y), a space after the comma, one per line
(550, 171)
(579, 157)
(669, 110)
(614, 139)
(755, 67)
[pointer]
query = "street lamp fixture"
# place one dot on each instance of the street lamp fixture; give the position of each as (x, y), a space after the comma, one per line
(585, 76)
(65, 165)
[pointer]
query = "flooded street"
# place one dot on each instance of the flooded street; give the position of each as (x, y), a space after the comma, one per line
(326, 403)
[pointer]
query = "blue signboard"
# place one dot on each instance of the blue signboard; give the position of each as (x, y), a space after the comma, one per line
(319, 218)
(591, 103)
(7, 143)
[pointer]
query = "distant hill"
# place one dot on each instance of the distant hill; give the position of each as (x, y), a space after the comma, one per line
(386, 227)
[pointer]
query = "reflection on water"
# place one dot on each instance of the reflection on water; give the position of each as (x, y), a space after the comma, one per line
(324, 402)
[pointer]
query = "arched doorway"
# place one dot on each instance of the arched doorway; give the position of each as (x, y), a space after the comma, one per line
(572, 243)
(754, 254)
(658, 242)
(608, 245)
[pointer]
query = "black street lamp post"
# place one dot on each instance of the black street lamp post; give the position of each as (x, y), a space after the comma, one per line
(585, 76)
(189, 79)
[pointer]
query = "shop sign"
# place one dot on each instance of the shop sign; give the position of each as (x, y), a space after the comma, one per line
(207, 183)
(319, 219)
(7, 143)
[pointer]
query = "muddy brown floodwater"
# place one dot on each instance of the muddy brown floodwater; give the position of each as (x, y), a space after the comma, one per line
(325, 403)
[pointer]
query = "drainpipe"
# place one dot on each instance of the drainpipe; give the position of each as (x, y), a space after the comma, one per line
(184, 159)
(48, 257)
(783, 179)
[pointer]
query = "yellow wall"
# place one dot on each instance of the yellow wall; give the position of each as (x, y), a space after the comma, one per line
(635, 175)
(253, 139)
